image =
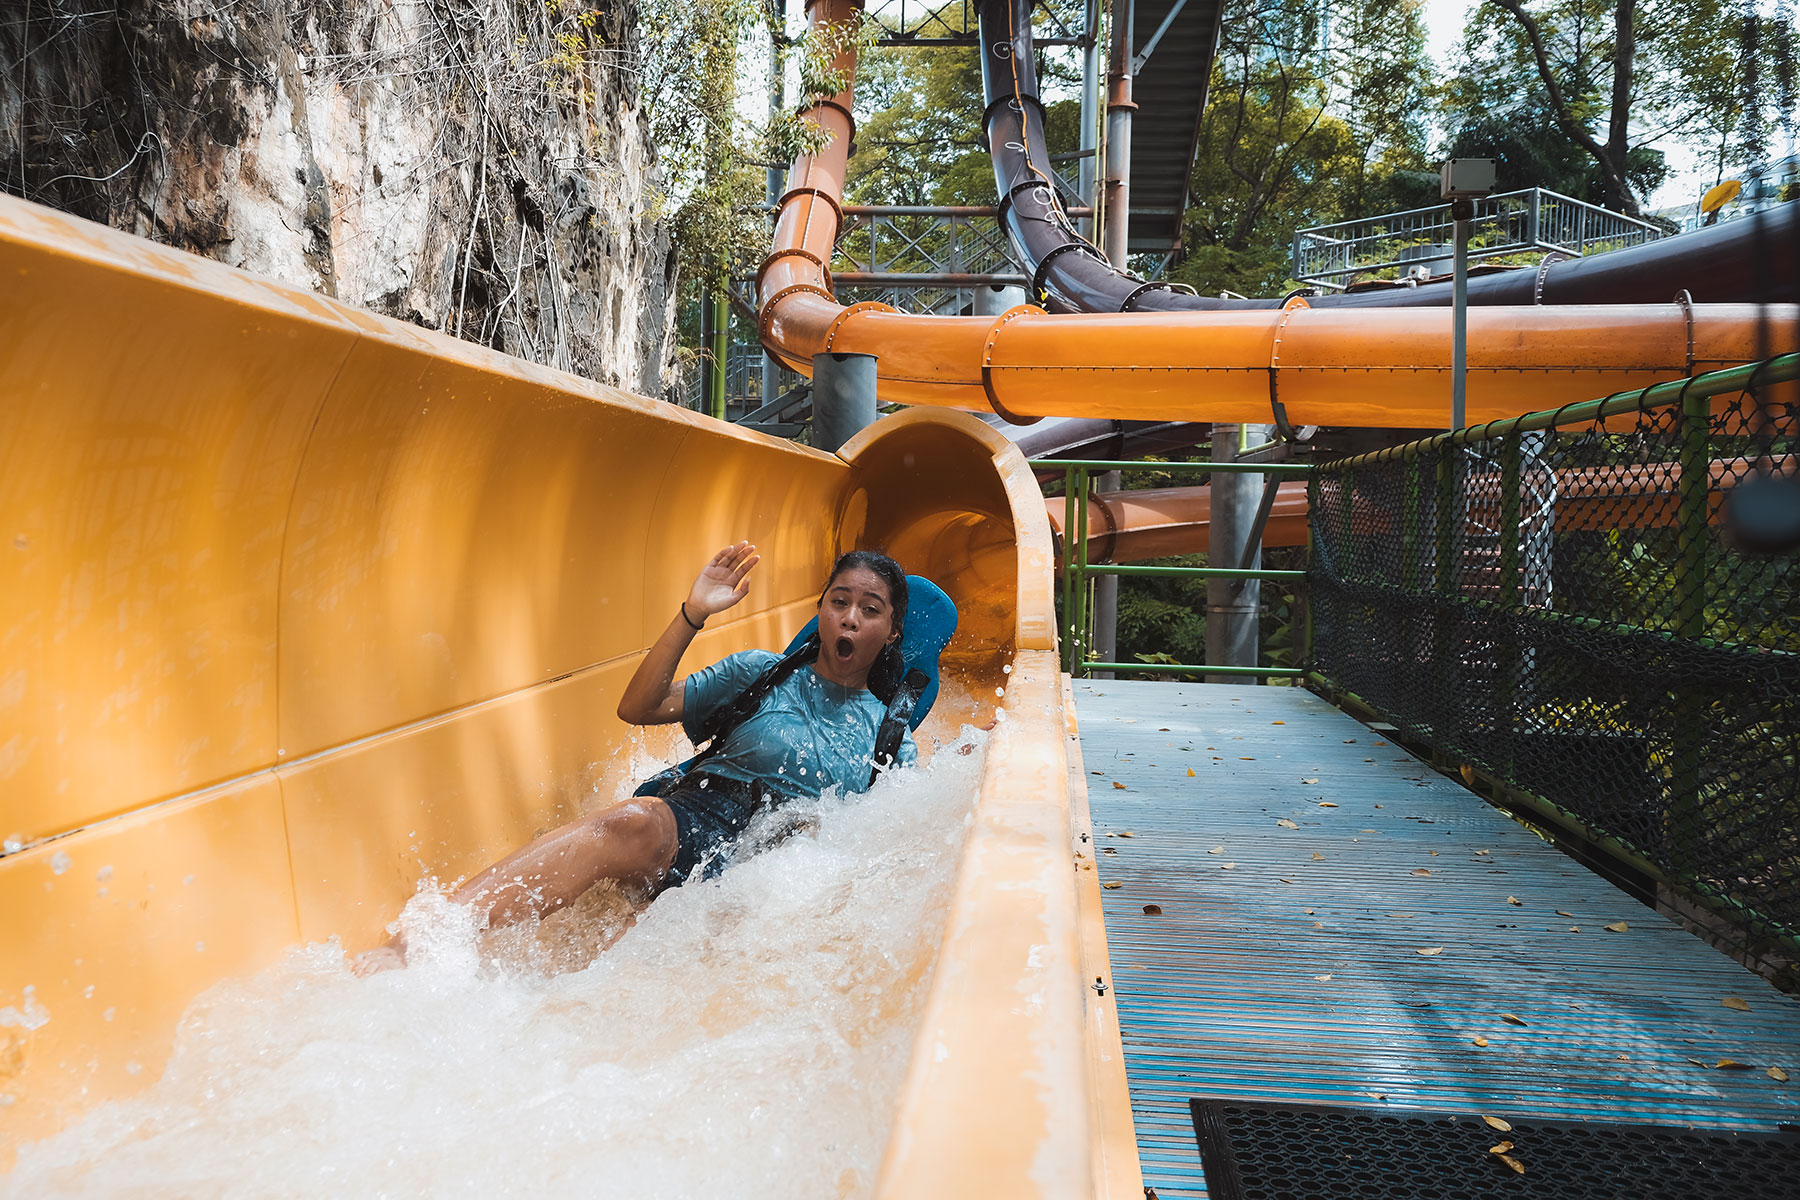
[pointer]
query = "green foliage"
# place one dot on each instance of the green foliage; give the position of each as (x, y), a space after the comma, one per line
(919, 127)
(1165, 617)
(1687, 73)
(1301, 130)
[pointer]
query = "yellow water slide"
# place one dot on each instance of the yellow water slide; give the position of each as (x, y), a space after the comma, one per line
(302, 603)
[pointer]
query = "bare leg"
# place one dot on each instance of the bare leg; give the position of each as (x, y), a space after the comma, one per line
(633, 843)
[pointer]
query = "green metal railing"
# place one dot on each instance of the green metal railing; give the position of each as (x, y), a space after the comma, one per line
(1079, 573)
(1553, 603)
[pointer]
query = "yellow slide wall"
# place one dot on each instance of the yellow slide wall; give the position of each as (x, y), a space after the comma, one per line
(304, 603)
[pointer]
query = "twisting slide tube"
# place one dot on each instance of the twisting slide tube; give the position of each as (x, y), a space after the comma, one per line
(1326, 366)
(1752, 260)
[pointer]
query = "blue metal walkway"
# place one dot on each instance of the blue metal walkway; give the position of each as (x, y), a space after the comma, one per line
(1339, 924)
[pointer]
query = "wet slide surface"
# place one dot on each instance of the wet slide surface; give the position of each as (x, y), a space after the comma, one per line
(1286, 962)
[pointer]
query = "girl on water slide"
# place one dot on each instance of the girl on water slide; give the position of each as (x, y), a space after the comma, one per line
(814, 729)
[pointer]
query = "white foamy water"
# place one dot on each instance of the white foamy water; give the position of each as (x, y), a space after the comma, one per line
(747, 1038)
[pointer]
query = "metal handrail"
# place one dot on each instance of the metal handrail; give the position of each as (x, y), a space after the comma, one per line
(1078, 572)
(1530, 220)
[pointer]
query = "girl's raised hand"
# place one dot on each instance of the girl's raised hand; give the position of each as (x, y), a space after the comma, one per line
(723, 581)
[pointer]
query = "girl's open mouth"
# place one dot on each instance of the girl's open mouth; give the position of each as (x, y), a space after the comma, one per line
(845, 648)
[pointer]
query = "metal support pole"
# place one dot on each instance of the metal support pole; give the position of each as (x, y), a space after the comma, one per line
(1090, 115)
(719, 346)
(1233, 606)
(843, 397)
(1461, 211)
(1116, 218)
(1106, 600)
(1080, 641)
(776, 179)
(1686, 821)
(992, 299)
(1070, 648)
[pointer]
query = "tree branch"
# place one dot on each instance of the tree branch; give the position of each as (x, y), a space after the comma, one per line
(1613, 170)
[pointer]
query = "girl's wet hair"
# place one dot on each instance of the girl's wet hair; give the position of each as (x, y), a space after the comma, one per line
(890, 666)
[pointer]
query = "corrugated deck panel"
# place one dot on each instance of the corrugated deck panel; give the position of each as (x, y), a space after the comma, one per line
(1219, 995)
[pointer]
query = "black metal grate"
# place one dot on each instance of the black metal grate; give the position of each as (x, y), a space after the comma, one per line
(1303, 1152)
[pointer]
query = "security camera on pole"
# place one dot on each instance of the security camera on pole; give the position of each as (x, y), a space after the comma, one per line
(1462, 181)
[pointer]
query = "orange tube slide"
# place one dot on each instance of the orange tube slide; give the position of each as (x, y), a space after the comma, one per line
(1125, 527)
(1328, 367)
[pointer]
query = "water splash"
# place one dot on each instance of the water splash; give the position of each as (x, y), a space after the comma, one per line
(746, 1038)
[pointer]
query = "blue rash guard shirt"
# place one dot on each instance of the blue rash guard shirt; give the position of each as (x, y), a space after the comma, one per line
(809, 734)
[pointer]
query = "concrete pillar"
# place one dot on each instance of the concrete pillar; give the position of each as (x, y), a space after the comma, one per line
(843, 397)
(1233, 606)
(992, 299)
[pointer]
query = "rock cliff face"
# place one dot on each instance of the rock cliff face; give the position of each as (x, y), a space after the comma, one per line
(477, 168)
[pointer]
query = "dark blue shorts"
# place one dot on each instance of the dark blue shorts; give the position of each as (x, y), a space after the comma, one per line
(711, 814)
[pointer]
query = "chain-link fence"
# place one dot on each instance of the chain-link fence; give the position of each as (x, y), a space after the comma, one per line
(1554, 601)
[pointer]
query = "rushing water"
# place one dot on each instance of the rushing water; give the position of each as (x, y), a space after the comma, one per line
(746, 1038)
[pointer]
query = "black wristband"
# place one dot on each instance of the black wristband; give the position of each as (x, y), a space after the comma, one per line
(689, 619)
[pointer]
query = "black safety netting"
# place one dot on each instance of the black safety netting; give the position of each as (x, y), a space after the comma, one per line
(1564, 610)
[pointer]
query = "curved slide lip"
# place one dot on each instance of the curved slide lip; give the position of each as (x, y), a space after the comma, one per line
(1327, 366)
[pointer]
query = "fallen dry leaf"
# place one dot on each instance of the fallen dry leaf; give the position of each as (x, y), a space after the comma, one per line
(1428, 951)
(1126, 833)
(1561, 913)
(1326, 804)
(1217, 850)
(1227, 866)
(1245, 758)
(1322, 978)
(1510, 1019)
(1309, 781)
(1730, 1064)
(1517, 1166)
(1616, 927)
(1112, 885)
(1737, 1002)
(1422, 871)
(1154, 910)
(1118, 785)
(1316, 925)
(1501, 1125)
(1434, 854)
(1574, 929)
(1502, 1148)
(1309, 912)
(1190, 772)
(1317, 857)
(1278, 722)
(1777, 1074)
(1514, 901)
(1286, 824)
(1399, 916)
(1481, 1041)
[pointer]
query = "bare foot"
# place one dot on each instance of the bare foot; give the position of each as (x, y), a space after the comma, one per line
(389, 956)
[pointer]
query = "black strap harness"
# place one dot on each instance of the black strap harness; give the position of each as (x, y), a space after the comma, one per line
(889, 736)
